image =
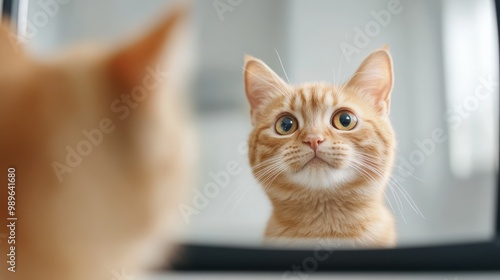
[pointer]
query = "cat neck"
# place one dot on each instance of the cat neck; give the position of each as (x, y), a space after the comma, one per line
(342, 213)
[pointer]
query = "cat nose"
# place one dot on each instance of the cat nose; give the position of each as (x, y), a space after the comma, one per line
(314, 141)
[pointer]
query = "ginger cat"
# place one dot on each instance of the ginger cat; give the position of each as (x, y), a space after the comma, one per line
(323, 154)
(98, 140)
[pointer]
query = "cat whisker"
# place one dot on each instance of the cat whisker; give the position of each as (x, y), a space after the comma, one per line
(264, 172)
(221, 212)
(260, 169)
(239, 200)
(336, 77)
(268, 171)
(401, 189)
(395, 195)
(274, 178)
(371, 161)
(372, 167)
(266, 162)
(270, 179)
(363, 173)
(398, 202)
(370, 178)
(273, 175)
(334, 81)
(282, 91)
(375, 159)
(409, 173)
(407, 196)
(370, 157)
(392, 182)
(340, 67)
(282, 67)
(263, 175)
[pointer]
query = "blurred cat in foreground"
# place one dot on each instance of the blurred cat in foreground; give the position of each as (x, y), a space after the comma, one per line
(99, 141)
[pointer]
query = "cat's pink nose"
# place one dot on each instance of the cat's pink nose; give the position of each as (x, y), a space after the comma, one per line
(314, 141)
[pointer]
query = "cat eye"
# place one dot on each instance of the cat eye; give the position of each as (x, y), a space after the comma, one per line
(286, 124)
(344, 120)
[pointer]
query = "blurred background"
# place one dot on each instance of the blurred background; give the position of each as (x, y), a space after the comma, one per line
(446, 79)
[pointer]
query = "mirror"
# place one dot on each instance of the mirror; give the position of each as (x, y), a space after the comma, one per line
(443, 104)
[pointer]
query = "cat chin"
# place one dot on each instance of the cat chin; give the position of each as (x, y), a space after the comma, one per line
(323, 177)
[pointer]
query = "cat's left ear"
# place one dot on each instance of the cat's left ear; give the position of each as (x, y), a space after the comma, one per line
(261, 85)
(375, 77)
(129, 65)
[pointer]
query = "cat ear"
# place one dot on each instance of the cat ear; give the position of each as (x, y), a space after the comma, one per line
(375, 77)
(261, 84)
(129, 65)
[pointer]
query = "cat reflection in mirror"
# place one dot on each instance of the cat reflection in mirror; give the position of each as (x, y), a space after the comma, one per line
(323, 154)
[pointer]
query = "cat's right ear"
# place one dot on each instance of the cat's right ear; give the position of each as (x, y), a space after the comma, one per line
(261, 84)
(375, 77)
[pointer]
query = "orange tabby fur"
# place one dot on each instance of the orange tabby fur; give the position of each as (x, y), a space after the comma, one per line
(108, 213)
(339, 197)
